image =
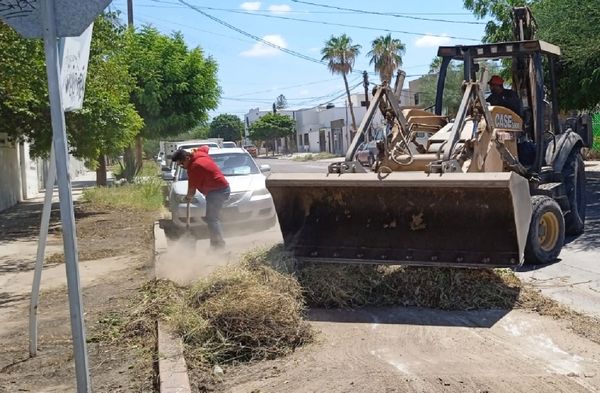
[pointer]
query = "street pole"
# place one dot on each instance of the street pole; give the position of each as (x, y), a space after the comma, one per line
(59, 139)
(130, 13)
(366, 86)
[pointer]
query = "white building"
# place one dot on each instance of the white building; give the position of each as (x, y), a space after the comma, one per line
(21, 176)
(324, 128)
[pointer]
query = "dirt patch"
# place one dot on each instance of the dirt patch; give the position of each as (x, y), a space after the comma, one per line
(117, 362)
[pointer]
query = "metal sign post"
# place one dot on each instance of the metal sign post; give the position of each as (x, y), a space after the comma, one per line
(50, 19)
(74, 54)
(67, 216)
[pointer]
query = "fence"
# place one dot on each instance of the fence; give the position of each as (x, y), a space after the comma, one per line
(596, 129)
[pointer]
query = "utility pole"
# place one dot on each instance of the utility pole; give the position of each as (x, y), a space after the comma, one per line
(366, 86)
(130, 13)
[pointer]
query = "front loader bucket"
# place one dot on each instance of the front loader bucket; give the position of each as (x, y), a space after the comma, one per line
(456, 219)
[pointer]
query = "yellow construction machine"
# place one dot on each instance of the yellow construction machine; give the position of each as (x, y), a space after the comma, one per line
(490, 188)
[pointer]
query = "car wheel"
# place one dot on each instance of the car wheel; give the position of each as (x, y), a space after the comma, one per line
(546, 231)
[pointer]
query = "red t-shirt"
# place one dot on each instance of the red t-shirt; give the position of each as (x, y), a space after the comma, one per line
(203, 174)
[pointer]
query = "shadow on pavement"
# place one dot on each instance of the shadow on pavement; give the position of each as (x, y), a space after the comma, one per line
(22, 221)
(590, 239)
(409, 316)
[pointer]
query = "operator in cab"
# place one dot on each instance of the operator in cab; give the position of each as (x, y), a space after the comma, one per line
(503, 97)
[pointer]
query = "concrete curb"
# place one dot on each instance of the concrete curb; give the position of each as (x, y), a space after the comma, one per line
(172, 369)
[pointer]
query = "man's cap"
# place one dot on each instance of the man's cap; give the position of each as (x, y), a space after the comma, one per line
(496, 80)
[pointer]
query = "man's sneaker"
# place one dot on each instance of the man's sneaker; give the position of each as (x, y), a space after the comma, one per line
(217, 245)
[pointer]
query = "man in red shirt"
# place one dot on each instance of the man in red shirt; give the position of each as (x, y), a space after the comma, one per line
(205, 176)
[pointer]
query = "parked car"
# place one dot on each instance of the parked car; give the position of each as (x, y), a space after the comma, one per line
(228, 145)
(253, 150)
(366, 153)
(249, 208)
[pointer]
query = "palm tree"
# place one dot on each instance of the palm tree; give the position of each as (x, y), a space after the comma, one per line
(340, 55)
(386, 53)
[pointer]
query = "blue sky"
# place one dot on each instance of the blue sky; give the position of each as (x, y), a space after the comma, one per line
(252, 74)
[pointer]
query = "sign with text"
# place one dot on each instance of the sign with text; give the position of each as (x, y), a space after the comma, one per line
(75, 52)
(72, 16)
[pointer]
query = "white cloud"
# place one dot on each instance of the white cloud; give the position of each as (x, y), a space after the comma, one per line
(428, 41)
(260, 49)
(279, 8)
(250, 6)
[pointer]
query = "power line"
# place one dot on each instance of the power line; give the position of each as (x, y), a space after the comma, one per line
(285, 87)
(337, 12)
(388, 14)
(338, 24)
(191, 27)
(302, 99)
(256, 38)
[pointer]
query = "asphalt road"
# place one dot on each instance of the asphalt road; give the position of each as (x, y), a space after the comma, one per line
(291, 166)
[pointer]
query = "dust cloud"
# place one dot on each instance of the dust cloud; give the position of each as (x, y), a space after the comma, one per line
(186, 260)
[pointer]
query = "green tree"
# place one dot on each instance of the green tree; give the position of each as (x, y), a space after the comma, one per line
(386, 55)
(175, 87)
(281, 102)
(270, 127)
(107, 121)
(427, 86)
(24, 105)
(226, 126)
(340, 55)
(573, 26)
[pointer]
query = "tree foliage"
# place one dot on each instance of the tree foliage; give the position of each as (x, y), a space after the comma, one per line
(340, 54)
(452, 88)
(175, 86)
(281, 102)
(386, 55)
(270, 127)
(107, 120)
(573, 26)
(226, 126)
(24, 105)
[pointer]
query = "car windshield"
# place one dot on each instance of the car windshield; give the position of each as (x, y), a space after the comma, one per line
(231, 164)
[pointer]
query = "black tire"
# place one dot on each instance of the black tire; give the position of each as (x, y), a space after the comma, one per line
(574, 180)
(546, 231)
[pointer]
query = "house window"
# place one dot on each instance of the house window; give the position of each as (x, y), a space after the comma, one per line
(306, 139)
(416, 98)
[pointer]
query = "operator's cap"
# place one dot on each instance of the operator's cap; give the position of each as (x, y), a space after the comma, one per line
(496, 80)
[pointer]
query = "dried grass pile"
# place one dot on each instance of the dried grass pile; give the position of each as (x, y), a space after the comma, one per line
(342, 286)
(242, 313)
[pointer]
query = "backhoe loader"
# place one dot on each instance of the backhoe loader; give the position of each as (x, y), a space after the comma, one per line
(490, 188)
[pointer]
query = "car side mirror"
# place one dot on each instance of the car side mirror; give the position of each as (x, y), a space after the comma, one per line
(265, 168)
(168, 176)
